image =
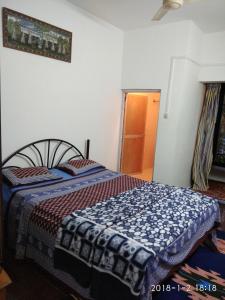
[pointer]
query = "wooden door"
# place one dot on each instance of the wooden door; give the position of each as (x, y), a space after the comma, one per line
(133, 133)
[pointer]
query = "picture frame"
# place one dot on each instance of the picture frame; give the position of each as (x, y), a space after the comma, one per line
(24, 33)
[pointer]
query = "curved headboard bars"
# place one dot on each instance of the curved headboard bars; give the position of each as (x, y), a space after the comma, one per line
(47, 152)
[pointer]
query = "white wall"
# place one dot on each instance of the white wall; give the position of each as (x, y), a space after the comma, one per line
(43, 97)
(213, 48)
(213, 57)
(158, 58)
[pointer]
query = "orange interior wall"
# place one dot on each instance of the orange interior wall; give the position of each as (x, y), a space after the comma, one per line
(135, 118)
(151, 130)
(134, 133)
(139, 132)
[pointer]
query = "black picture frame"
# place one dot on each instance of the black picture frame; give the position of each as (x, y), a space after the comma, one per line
(25, 33)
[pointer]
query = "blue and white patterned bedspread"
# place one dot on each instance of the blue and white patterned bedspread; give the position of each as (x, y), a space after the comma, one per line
(127, 235)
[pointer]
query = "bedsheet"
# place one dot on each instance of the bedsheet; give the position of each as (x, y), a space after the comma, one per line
(129, 234)
(36, 213)
(9, 190)
(106, 288)
(44, 206)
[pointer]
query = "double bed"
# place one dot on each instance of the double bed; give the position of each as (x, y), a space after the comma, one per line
(104, 234)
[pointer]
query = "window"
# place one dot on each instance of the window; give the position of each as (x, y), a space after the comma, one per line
(219, 134)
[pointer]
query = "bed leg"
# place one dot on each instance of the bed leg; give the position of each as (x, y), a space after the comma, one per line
(210, 243)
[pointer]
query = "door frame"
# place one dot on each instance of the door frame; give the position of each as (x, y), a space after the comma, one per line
(123, 105)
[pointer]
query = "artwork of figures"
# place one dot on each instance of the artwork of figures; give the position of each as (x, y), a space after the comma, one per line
(25, 33)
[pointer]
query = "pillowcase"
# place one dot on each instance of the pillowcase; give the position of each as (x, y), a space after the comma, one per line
(81, 167)
(21, 176)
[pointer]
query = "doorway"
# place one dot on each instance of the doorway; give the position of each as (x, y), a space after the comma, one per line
(139, 134)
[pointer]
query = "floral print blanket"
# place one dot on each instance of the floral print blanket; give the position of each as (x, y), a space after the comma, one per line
(126, 235)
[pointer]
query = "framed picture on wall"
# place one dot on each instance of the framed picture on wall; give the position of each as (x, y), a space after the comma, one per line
(24, 33)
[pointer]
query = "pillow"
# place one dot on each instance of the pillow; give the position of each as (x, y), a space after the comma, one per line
(20, 176)
(81, 167)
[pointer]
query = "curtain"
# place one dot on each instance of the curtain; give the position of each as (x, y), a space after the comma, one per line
(203, 154)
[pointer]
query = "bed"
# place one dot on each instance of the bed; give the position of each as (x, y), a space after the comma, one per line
(104, 234)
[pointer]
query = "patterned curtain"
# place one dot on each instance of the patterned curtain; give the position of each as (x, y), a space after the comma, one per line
(203, 155)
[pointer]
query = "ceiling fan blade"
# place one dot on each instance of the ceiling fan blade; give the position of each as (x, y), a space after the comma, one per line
(160, 13)
(191, 1)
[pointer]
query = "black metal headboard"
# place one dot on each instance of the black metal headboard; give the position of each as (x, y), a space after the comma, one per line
(47, 152)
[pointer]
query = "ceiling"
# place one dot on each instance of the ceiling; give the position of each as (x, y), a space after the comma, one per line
(209, 15)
